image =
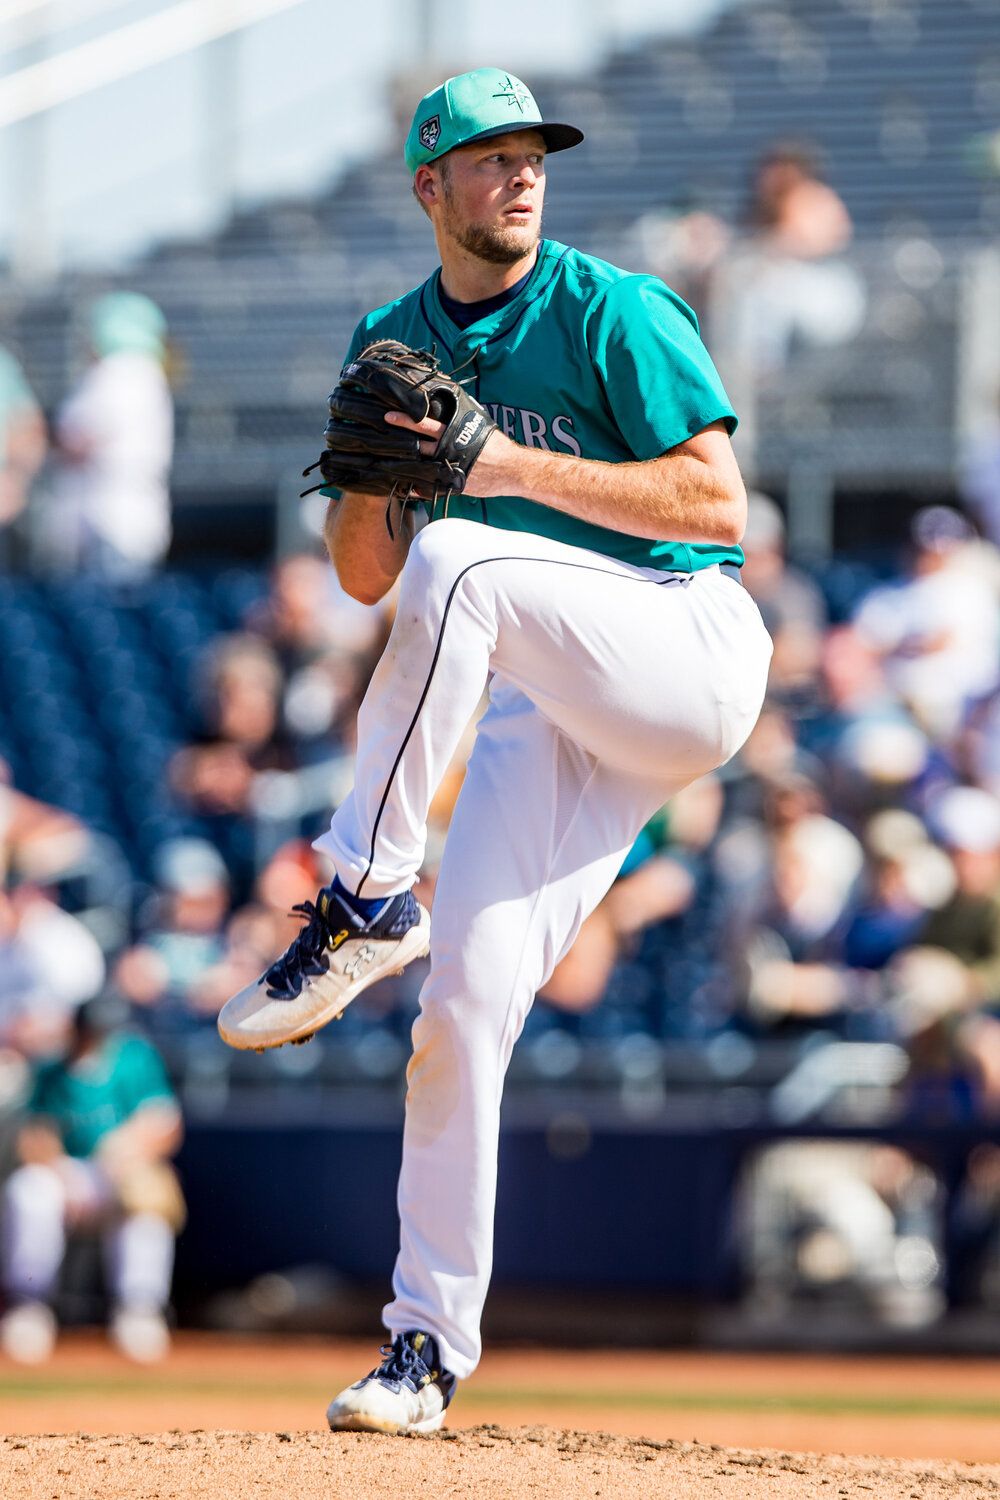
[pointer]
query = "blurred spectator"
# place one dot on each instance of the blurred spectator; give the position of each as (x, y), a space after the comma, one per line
(871, 750)
(49, 962)
(241, 706)
(102, 1124)
(947, 984)
(790, 287)
(111, 508)
(792, 606)
(243, 735)
(183, 934)
(858, 1221)
(306, 614)
(22, 446)
(929, 997)
(327, 645)
(907, 877)
(38, 842)
(793, 210)
(977, 750)
(936, 631)
(772, 753)
(967, 822)
(796, 907)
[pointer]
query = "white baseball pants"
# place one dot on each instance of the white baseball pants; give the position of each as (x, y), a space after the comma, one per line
(37, 1200)
(614, 686)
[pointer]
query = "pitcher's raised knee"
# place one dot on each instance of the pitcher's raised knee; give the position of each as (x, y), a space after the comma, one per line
(441, 551)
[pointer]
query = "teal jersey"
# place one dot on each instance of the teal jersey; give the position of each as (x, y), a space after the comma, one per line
(586, 359)
(87, 1099)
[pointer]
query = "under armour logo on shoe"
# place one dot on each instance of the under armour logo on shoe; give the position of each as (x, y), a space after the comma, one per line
(360, 961)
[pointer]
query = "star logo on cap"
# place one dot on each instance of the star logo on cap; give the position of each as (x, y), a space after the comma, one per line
(514, 93)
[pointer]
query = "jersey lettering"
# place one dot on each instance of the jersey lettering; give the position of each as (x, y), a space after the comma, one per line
(534, 428)
(559, 426)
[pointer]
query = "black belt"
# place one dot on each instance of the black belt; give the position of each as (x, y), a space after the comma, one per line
(731, 570)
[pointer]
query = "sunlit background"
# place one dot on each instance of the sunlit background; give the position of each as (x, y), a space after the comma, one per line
(765, 1088)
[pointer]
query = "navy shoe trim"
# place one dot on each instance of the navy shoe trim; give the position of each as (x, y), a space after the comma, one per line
(414, 1360)
(329, 921)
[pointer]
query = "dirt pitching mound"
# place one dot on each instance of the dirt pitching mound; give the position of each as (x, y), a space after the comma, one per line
(486, 1462)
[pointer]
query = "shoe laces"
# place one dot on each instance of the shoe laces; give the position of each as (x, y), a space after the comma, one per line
(402, 1362)
(309, 953)
(305, 957)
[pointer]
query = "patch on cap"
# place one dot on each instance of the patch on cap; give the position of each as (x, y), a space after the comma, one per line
(430, 132)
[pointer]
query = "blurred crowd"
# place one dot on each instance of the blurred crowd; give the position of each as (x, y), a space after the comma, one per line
(841, 876)
(838, 882)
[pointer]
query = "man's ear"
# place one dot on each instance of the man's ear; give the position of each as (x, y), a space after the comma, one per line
(426, 187)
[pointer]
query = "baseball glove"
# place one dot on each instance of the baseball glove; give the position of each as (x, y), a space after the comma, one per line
(367, 454)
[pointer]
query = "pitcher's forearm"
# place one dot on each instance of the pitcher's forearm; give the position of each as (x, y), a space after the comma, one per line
(367, 560)
(692, 493)
(675, 496)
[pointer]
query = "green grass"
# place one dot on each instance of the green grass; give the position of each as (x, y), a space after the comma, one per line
(32, 1386)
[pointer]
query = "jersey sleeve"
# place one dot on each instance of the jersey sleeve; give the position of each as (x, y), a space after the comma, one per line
(658, 377)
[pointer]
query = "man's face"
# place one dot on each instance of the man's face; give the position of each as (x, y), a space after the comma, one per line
(492, 193)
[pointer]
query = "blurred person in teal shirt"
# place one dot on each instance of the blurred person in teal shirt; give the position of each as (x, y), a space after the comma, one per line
(101, 1125)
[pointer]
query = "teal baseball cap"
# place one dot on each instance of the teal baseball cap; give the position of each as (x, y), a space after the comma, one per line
(472, 106)
(127, 322)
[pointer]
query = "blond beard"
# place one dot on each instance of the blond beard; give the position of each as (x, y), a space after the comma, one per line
(489, 242)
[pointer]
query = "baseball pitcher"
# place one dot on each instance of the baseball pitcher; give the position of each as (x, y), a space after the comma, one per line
(562, 428)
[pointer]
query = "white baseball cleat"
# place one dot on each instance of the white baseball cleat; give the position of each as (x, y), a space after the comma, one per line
(407, 1392)
(28, 1333)
(335, 956)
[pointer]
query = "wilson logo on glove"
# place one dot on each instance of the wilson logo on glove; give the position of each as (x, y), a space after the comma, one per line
(469, 431)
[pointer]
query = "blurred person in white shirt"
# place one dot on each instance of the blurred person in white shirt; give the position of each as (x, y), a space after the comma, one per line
(936, 632)
(115, 435)
(49, 963)
(791, 283)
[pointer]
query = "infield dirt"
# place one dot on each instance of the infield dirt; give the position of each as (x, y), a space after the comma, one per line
(487, 1462)
(686, 1423)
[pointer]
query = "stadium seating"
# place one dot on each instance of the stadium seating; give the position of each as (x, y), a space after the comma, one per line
(97, 693)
